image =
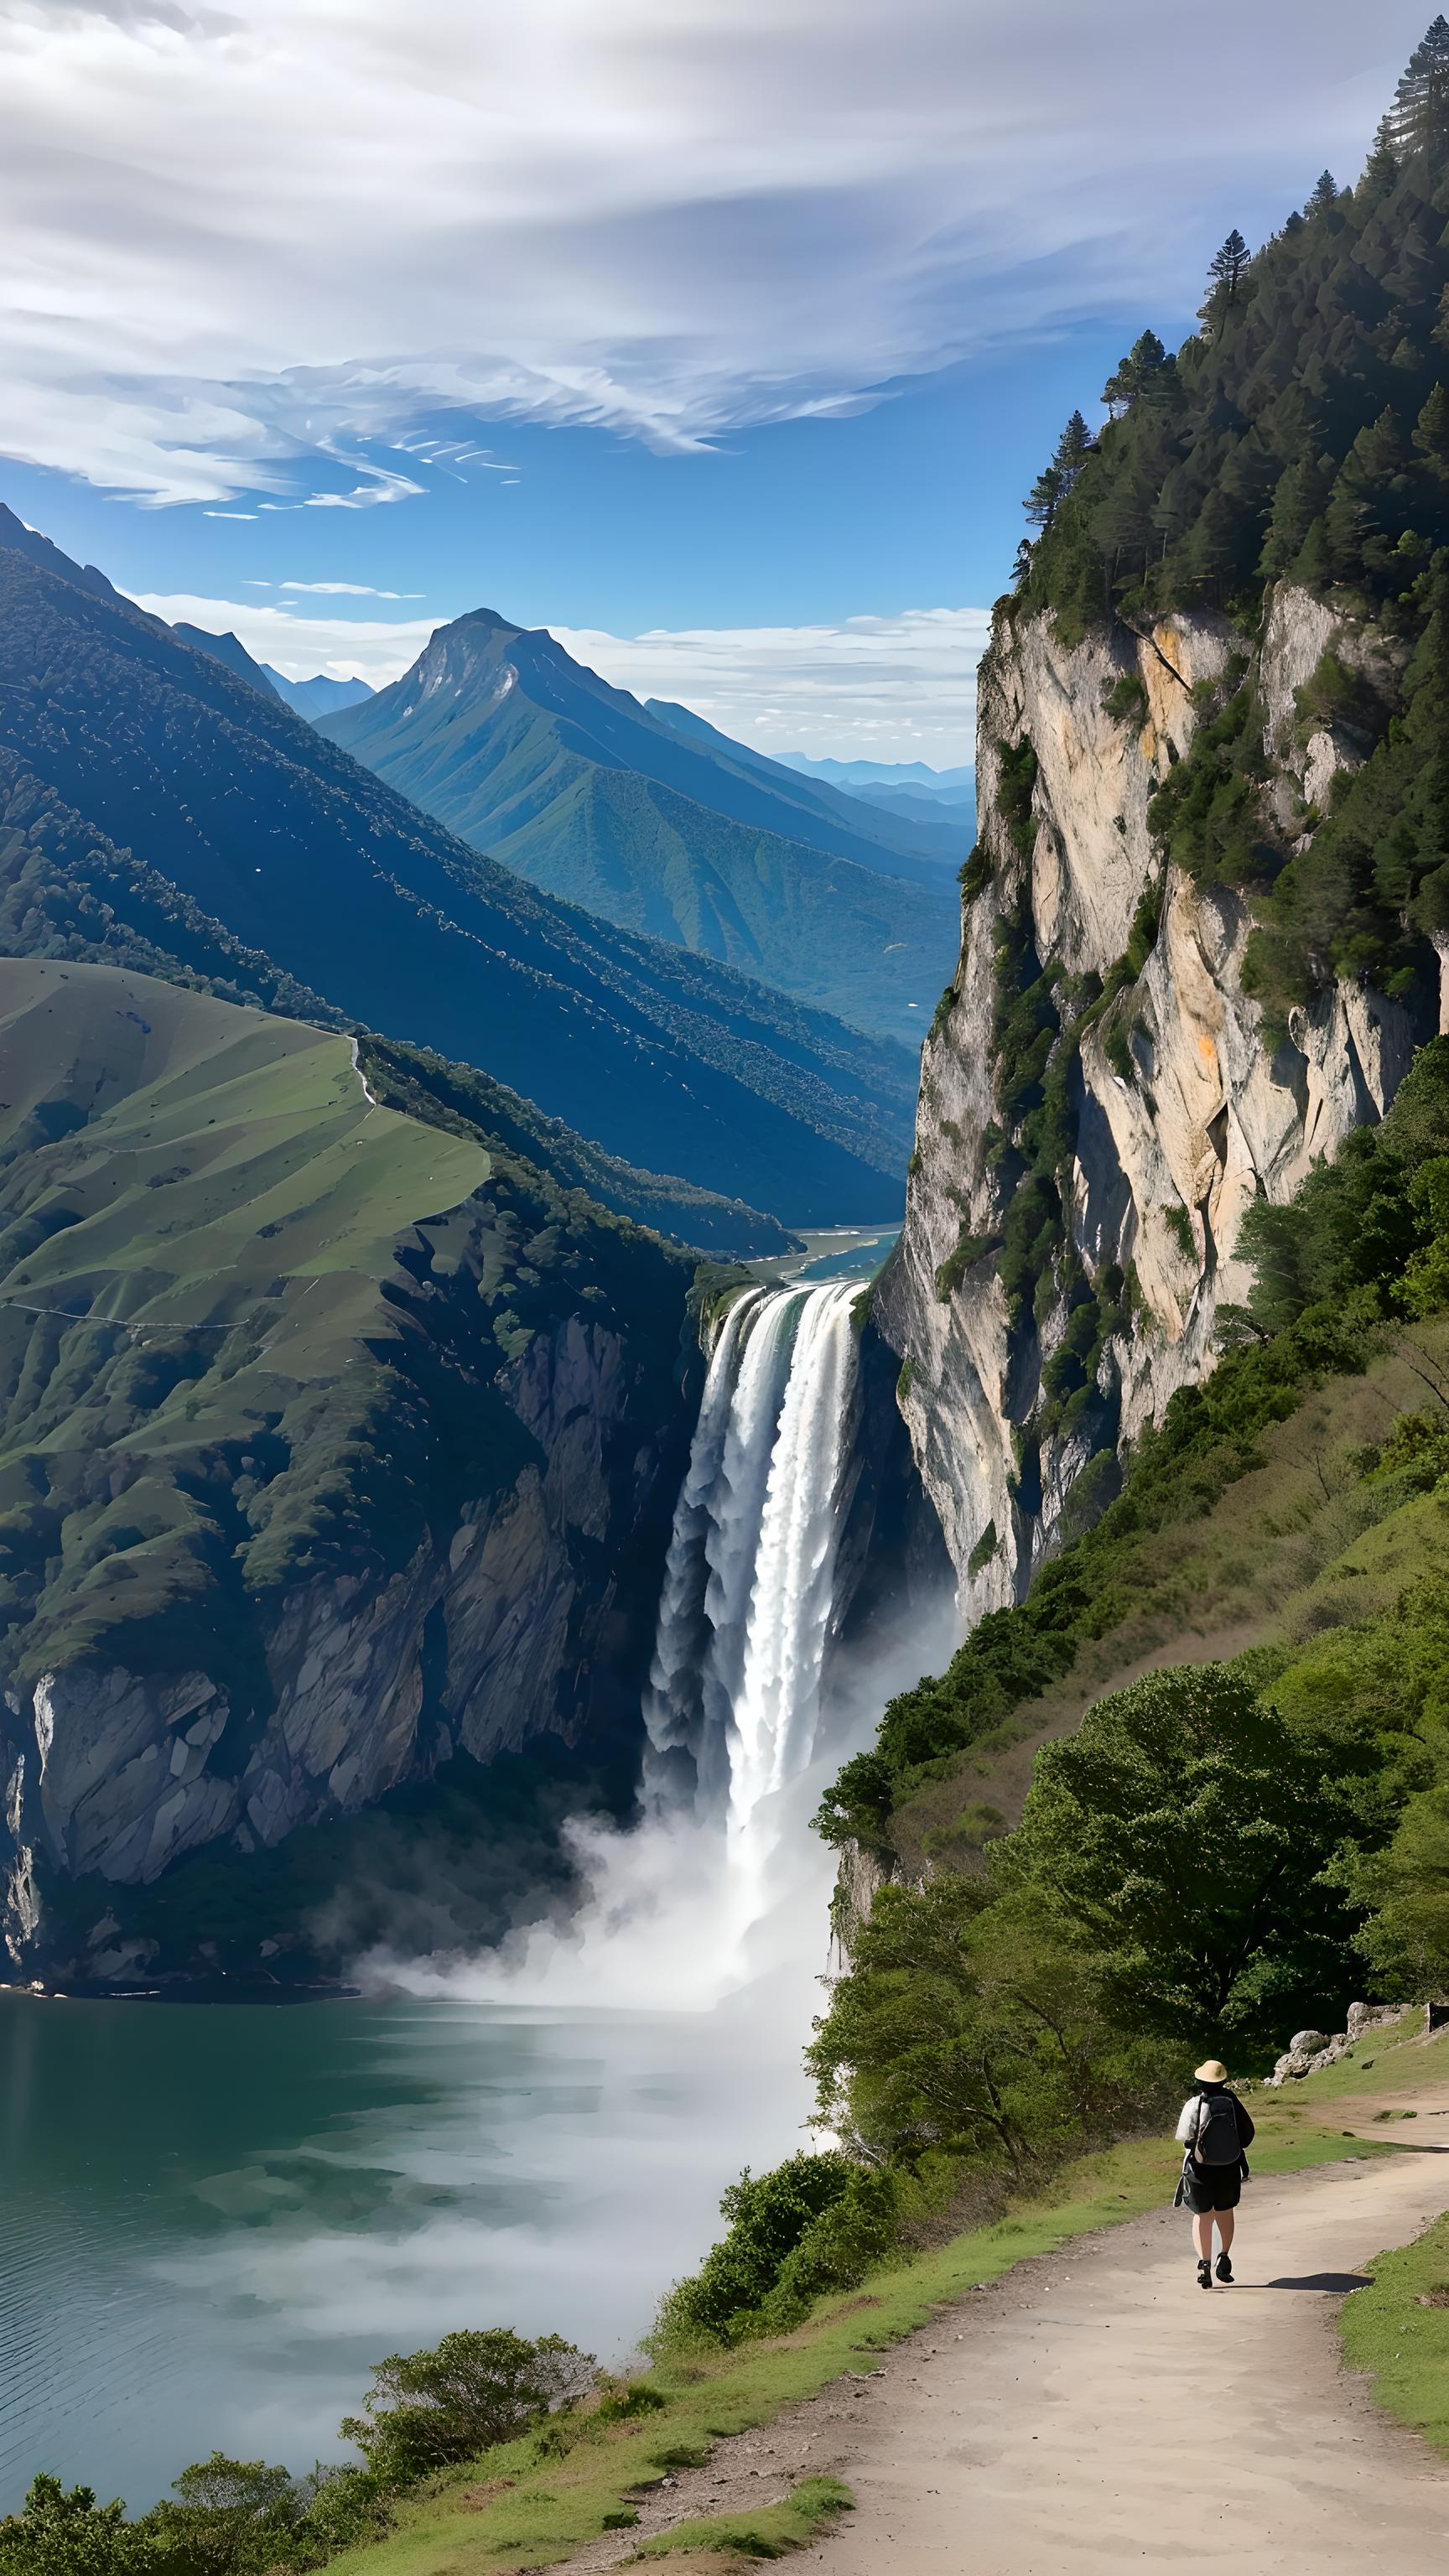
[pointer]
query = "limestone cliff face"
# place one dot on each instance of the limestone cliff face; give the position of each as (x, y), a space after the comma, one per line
(1176, 1111)
(513, 1622)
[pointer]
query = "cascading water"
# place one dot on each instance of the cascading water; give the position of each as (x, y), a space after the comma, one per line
(746, 1611)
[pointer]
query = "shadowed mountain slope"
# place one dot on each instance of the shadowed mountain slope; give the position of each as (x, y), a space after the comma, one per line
(525, 754)
(671, 1062)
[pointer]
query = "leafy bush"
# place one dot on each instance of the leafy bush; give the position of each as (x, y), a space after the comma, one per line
(428, 2409)
(776, 2221)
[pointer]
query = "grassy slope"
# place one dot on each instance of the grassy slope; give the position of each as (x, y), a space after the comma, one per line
(1398, 2331)
(557, 2504)
(198, 1210)
(1299, 1545)
(223, 1156)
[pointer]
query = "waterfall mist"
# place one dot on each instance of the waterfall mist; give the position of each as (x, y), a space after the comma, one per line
(720, 1893)
(707, 1922)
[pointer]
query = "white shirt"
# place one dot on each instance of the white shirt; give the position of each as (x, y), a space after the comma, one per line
(1187, 2125)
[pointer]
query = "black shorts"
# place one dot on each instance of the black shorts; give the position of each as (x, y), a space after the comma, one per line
(1207, 2187)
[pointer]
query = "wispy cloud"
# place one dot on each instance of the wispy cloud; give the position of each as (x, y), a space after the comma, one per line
(346, 590)
(254, 249)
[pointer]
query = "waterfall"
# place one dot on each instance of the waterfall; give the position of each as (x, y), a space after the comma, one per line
(745, 1614)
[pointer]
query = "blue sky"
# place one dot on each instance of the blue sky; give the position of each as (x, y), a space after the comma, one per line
(736, 328)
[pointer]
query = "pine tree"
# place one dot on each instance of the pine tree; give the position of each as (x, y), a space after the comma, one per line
(1370, 500)
(1381, 169)
(1042, 500)
(1055, 481)
(1226, 272)
(1073, 449)
(1301, 494)
(1431, 434)
(1144, 360)
(1324, 197)
(1419, 118)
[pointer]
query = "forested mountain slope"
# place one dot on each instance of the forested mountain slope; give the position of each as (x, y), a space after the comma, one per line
(671, 1062)
(334, 1448)
(531, 757)
(1204, 925)
(821, 808)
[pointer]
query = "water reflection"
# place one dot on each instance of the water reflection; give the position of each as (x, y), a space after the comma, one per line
(218, 2218)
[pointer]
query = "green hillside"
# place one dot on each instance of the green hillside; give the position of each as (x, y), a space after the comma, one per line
(230, 1359)
(664, 1060)
(68, 893)
(532, 758)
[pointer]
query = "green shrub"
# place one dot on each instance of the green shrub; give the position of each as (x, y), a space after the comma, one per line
(428, 2409)
(770, 2216)
(1126, 701)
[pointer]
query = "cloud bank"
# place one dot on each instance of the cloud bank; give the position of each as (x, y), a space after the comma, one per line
(875, 688)
(882, 688)
(258, 249)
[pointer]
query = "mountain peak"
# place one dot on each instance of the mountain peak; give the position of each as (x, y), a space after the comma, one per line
(38, 549)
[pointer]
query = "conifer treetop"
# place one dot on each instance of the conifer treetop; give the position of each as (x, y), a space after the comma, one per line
(1420, 113)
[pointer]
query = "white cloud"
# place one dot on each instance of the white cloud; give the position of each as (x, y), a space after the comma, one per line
(344, 589)
(883, 688)
(299, 646)
(249, 244)
(879, 688)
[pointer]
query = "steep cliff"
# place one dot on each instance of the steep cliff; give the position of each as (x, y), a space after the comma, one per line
(1103, 1096)
(335, 1449)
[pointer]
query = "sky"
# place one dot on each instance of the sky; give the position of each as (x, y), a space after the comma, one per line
(720, 336)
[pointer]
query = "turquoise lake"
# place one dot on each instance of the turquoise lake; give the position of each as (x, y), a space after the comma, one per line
(217, 2217)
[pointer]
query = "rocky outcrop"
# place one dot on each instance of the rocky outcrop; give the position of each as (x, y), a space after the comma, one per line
(1177, 1113)
(519, 1620)
(306, 1496)
(1310, 2050)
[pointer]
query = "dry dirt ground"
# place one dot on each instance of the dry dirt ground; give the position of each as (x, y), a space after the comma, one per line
(1094, 2411)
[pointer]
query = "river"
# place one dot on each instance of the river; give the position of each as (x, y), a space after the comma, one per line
(218, 2217)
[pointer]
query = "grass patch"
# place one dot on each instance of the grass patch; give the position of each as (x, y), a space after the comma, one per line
(771, 2533)
(1398, 2331)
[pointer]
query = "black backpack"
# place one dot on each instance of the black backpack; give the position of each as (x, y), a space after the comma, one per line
(1215, 2139)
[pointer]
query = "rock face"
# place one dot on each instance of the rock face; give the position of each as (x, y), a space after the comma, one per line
(305, 1493)
(524, 1618)
(1178, 1114)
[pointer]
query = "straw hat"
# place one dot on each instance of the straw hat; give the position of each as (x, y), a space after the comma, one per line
(1211, 2071)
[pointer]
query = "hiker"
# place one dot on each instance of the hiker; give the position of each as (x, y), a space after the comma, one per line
(1215, 2129)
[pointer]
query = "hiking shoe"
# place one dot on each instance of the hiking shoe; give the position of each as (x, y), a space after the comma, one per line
(1204, 2276)
(1225, 2267)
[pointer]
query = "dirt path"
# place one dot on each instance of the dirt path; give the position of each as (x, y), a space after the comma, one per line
(1097, 2412)
(1092, 2411)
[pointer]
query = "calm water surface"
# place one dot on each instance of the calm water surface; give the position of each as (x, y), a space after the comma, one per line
(216, 2218)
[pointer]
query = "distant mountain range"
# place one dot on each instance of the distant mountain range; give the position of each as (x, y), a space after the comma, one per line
(161, 806)
(315, 697)
(879, 773)
(664, 828)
